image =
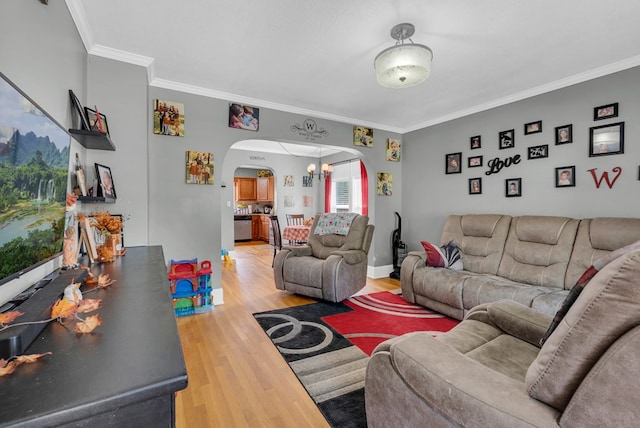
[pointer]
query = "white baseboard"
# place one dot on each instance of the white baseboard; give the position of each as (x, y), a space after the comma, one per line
(379, 271)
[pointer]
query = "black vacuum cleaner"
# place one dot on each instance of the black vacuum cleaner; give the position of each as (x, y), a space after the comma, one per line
(398, 247)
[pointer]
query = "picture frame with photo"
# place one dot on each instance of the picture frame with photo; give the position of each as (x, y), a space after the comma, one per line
(244, 117)
(606, 111)
(475, 142)
(474, 161)
(564, 134)
(538, 152)
(106, 188)
(97, 121)
(84, 122)
(513, 187)
(307, 181)
(168, 118)
(453, 163)
(506, 139)
(533, 127)
(606, 139)
(475, 186)
(565, 176)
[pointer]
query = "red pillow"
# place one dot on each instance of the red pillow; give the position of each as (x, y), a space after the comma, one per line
(435, 257)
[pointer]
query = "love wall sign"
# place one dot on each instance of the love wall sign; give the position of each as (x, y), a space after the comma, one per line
(496, 164)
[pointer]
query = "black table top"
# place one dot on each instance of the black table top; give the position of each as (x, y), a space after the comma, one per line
(135, 355)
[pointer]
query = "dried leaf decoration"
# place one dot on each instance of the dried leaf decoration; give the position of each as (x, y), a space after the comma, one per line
(9, 366)
(88, 325)
(63, 309)
(7, 317)
(104, 280)
(89, 305)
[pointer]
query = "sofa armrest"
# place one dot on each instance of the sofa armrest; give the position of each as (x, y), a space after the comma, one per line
(414, 260)
(461, 389)
(299, 250)
(519, 320)
(352, 257)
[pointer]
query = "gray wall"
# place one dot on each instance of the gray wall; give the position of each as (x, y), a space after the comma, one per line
(432, 195)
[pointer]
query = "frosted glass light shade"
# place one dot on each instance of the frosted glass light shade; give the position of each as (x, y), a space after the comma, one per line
(403, 66)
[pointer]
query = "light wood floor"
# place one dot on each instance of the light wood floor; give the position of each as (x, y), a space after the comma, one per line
(237, 378)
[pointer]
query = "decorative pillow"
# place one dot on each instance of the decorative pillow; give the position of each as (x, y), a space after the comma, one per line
(447, 256)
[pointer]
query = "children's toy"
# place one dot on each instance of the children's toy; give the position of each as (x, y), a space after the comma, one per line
(190, 287)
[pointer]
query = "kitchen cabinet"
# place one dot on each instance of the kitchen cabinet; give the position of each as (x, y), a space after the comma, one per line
(265, 226)
(264, 189)
(245, 188)
(255, 227)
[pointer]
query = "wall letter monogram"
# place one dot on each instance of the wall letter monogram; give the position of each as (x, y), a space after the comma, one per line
(605, 176)
(496, 164)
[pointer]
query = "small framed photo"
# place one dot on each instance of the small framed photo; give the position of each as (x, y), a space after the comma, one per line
(84, 123)
(307, 181)
(605, 112)
(475, 186)
(513, 187)
(475, 142)
(97, 121)
(453, 163)
(244, 117)
(606, 139)
(362, 136)
(507, 139)
(564, 134)
(538, 152)
(565, 176)
(106, 187)
(474, 161)
(533, 127)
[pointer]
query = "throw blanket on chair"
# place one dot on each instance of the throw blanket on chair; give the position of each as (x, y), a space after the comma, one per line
(583, 281)
(334, 223)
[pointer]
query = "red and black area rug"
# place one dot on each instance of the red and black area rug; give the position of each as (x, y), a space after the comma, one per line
(327, 345)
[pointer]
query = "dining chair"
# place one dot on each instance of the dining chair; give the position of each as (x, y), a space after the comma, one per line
(295, 219)
(277, 236)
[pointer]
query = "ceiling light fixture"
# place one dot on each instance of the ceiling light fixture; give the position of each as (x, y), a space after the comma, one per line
(405, 64)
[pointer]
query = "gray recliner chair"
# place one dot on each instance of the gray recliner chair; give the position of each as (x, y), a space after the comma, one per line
(330, 267)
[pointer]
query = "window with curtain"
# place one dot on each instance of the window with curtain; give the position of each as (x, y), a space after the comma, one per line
(346, 188)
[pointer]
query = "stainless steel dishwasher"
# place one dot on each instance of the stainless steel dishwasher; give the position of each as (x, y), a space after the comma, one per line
(242, 228)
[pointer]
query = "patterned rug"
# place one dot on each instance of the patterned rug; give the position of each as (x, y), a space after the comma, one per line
(327, 345)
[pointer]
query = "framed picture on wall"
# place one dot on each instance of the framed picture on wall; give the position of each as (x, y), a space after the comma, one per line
(565, 176)
(105, 182)
(564, 134)
(97, 121)
(606, 139)
(513, 187)
(533, 127)
(475, 142)
(475, 186)
(474, 161)
(506, 139)
(538, 152)
(605, 112)
(453, 163)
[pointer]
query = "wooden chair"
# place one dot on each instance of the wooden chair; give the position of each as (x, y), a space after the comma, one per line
(295, 219)
(277, 236)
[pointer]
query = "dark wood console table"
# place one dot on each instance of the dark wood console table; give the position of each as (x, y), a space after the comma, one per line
(125, 373)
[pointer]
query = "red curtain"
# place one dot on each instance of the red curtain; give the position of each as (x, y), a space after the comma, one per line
(364, 182)
(327, 194)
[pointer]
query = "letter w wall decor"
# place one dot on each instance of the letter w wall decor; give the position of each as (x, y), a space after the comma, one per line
(605, 176)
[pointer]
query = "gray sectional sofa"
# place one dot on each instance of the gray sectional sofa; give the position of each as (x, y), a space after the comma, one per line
(533, 260)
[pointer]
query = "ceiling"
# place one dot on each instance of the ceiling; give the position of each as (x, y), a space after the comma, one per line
(315, 57)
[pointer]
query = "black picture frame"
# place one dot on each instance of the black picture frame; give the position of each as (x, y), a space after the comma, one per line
(92, 117)
(513, 187)
(606, 140)
(84, 122)
(103, 174)
(565, 176)
(606, 111)
(475, 186)
(475, 142)
(564, 134)
(533, 127)
(474, 161)
(507, 139)
(453, 163)
(538, 152)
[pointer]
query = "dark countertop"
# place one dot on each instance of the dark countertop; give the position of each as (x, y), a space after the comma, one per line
(134, 356)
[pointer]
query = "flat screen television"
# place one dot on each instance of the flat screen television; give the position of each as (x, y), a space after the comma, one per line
(34, 175)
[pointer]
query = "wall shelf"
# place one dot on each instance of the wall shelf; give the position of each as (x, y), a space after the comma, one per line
(90, 199)
(93, 140)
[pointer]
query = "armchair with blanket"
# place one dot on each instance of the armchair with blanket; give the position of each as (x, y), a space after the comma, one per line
(333, 264)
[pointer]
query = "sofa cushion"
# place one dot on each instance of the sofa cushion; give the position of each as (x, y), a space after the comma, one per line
(538, 249)
(435, 256)
(447, 256)
(480, 238)
(607, 308)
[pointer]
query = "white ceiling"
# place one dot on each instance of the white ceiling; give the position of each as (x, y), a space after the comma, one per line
(315, 57)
